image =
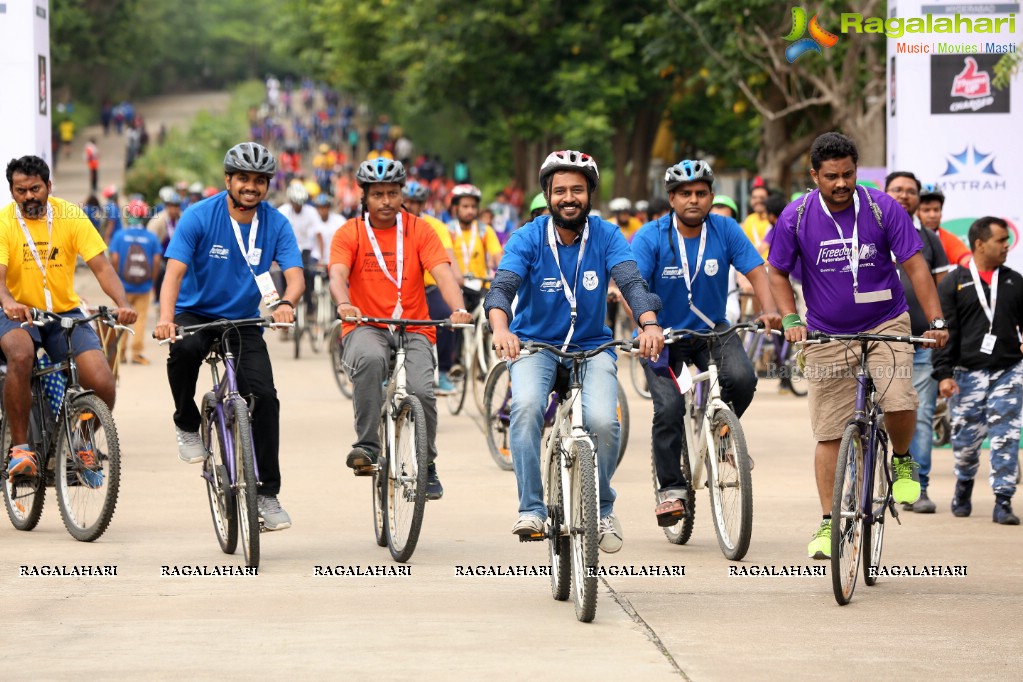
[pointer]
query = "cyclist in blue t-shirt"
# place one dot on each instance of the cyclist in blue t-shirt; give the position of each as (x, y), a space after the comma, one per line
(544, 263)
(685, 258)
(218, 264)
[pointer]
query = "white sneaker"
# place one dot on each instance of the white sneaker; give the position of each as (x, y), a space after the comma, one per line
(273, 514)
(610, 529)
(190, 447)
(529, 525)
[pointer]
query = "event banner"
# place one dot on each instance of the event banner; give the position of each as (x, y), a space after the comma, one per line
(947, 122)
(25, 108)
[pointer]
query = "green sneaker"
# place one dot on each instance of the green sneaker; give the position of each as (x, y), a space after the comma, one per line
(905, 480)
(820, 546)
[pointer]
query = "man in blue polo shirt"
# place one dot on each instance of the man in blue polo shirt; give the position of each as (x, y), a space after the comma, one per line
(218, 264)
(685, 258)
(560, 266)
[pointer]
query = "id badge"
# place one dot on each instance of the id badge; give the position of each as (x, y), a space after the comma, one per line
(49, 300)
(472, 284)
(987, 346)
(872, 296)
(266, 287)
(254, 256)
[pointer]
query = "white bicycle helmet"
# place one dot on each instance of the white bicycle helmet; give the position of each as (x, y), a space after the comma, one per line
(248, 157)
(459, 191)
(688, 171)
(569, 160)
(380, 170)
(297, 193)
(169, 195)
(619, 205)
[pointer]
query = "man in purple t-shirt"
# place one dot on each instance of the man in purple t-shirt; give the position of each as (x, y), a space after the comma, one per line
(847, 237)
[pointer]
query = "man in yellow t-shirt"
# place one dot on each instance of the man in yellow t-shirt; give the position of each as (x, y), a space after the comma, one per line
(756, 226)
(41, 238)
(416, 194)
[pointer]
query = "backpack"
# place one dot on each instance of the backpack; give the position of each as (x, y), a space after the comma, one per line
(137, 267)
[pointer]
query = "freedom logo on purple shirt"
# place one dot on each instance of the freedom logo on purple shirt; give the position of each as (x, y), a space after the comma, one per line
(827, 278)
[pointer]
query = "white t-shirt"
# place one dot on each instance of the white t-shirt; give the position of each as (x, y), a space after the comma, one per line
(326, 229)
(304, 223)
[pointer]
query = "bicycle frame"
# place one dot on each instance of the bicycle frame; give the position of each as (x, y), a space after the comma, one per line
(225, 392)
(703, 400)
(867, 417)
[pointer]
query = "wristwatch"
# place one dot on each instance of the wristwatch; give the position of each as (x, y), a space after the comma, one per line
(939, 324)
(286, 302)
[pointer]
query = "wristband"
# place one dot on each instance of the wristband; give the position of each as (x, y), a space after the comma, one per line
(344, 303)
(791, 320)
(462, 310)
(653, 323)
(286, 302)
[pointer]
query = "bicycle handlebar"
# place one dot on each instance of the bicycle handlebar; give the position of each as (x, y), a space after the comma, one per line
(409, 323)
(529, 347)
(247, 322)
(41, 318)
(818, 337)
(672, 335)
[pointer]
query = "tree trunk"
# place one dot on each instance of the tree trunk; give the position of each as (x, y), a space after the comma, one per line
(643, 135)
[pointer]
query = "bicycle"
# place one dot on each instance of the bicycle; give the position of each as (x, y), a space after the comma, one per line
(344, 383)
(476, 356)
(230, 469)
(568, 468)
(75, 441)
(863, 480)
(716, 455)
(497, 416)
(110, 344)
(399, 477)
(778, 354)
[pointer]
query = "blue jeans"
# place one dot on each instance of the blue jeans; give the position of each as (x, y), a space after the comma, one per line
(927, 390)
(532, 381)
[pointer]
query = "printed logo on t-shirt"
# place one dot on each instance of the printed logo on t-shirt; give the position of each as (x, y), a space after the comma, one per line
(219, 252)
(671, 272)
(711, 267)
(834, 255)
(551, 284)
(590, 280)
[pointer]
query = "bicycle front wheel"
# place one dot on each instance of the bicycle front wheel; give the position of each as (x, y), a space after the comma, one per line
(406, 480)
(873, 535)
(456, 398)
(379, 490)
(23, 497)
(583, 534)
(638, 377)
(218, 481)
(321, 321)
(731, 489)
(846, 524)
(301, 327)
(344, 383)
(558, 545)
(479, 371)
(245, 474)
(623, 422)
(497, 413)
(797, 381)
(88, 475)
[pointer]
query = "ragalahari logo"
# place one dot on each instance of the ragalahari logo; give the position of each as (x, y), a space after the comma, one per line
(819, 38)
(971, 82)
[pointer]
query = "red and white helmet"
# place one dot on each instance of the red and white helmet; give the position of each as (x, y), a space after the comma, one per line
(569, 160)
(459, 191)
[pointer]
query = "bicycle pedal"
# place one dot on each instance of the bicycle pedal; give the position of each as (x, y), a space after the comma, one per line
(895, 512)
(533, 537)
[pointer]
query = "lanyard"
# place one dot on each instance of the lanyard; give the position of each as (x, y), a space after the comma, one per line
(989, 310)
(35, 251)
(854, 251)
(252, 253)
(467, 251)
(399, 253)
(684, 259)
(569, 294)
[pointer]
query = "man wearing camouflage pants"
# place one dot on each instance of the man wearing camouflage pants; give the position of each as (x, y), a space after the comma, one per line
(983, 305)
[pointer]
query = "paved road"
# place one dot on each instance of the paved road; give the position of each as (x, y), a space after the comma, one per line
(436, 625)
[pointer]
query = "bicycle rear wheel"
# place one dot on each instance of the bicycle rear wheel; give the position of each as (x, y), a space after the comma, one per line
(245, 473)
(623, 422)
(300, 329)
(23, 497)
(406, 480)
(218, 481)
(679, 533)
(379, 490)
(497, 413)
(344, 384)
(873, 535)
(456, 398)
(88, 475)
(846, 526)
(583, 534)
(558, 545)
(731, 490)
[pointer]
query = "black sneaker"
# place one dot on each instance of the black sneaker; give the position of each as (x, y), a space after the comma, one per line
(961, 505)
(924, 505)
(1003, 511)
(434, 490)
(362, 461)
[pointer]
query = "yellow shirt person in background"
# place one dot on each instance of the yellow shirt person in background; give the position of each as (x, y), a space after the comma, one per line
(756, 226)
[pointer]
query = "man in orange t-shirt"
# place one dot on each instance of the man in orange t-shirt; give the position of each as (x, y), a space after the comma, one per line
(376, 269)
(932, 200)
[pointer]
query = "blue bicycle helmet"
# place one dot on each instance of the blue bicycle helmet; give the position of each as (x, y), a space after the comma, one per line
(688, 171)
(380, 170)
(323, 200)
(415, 191)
